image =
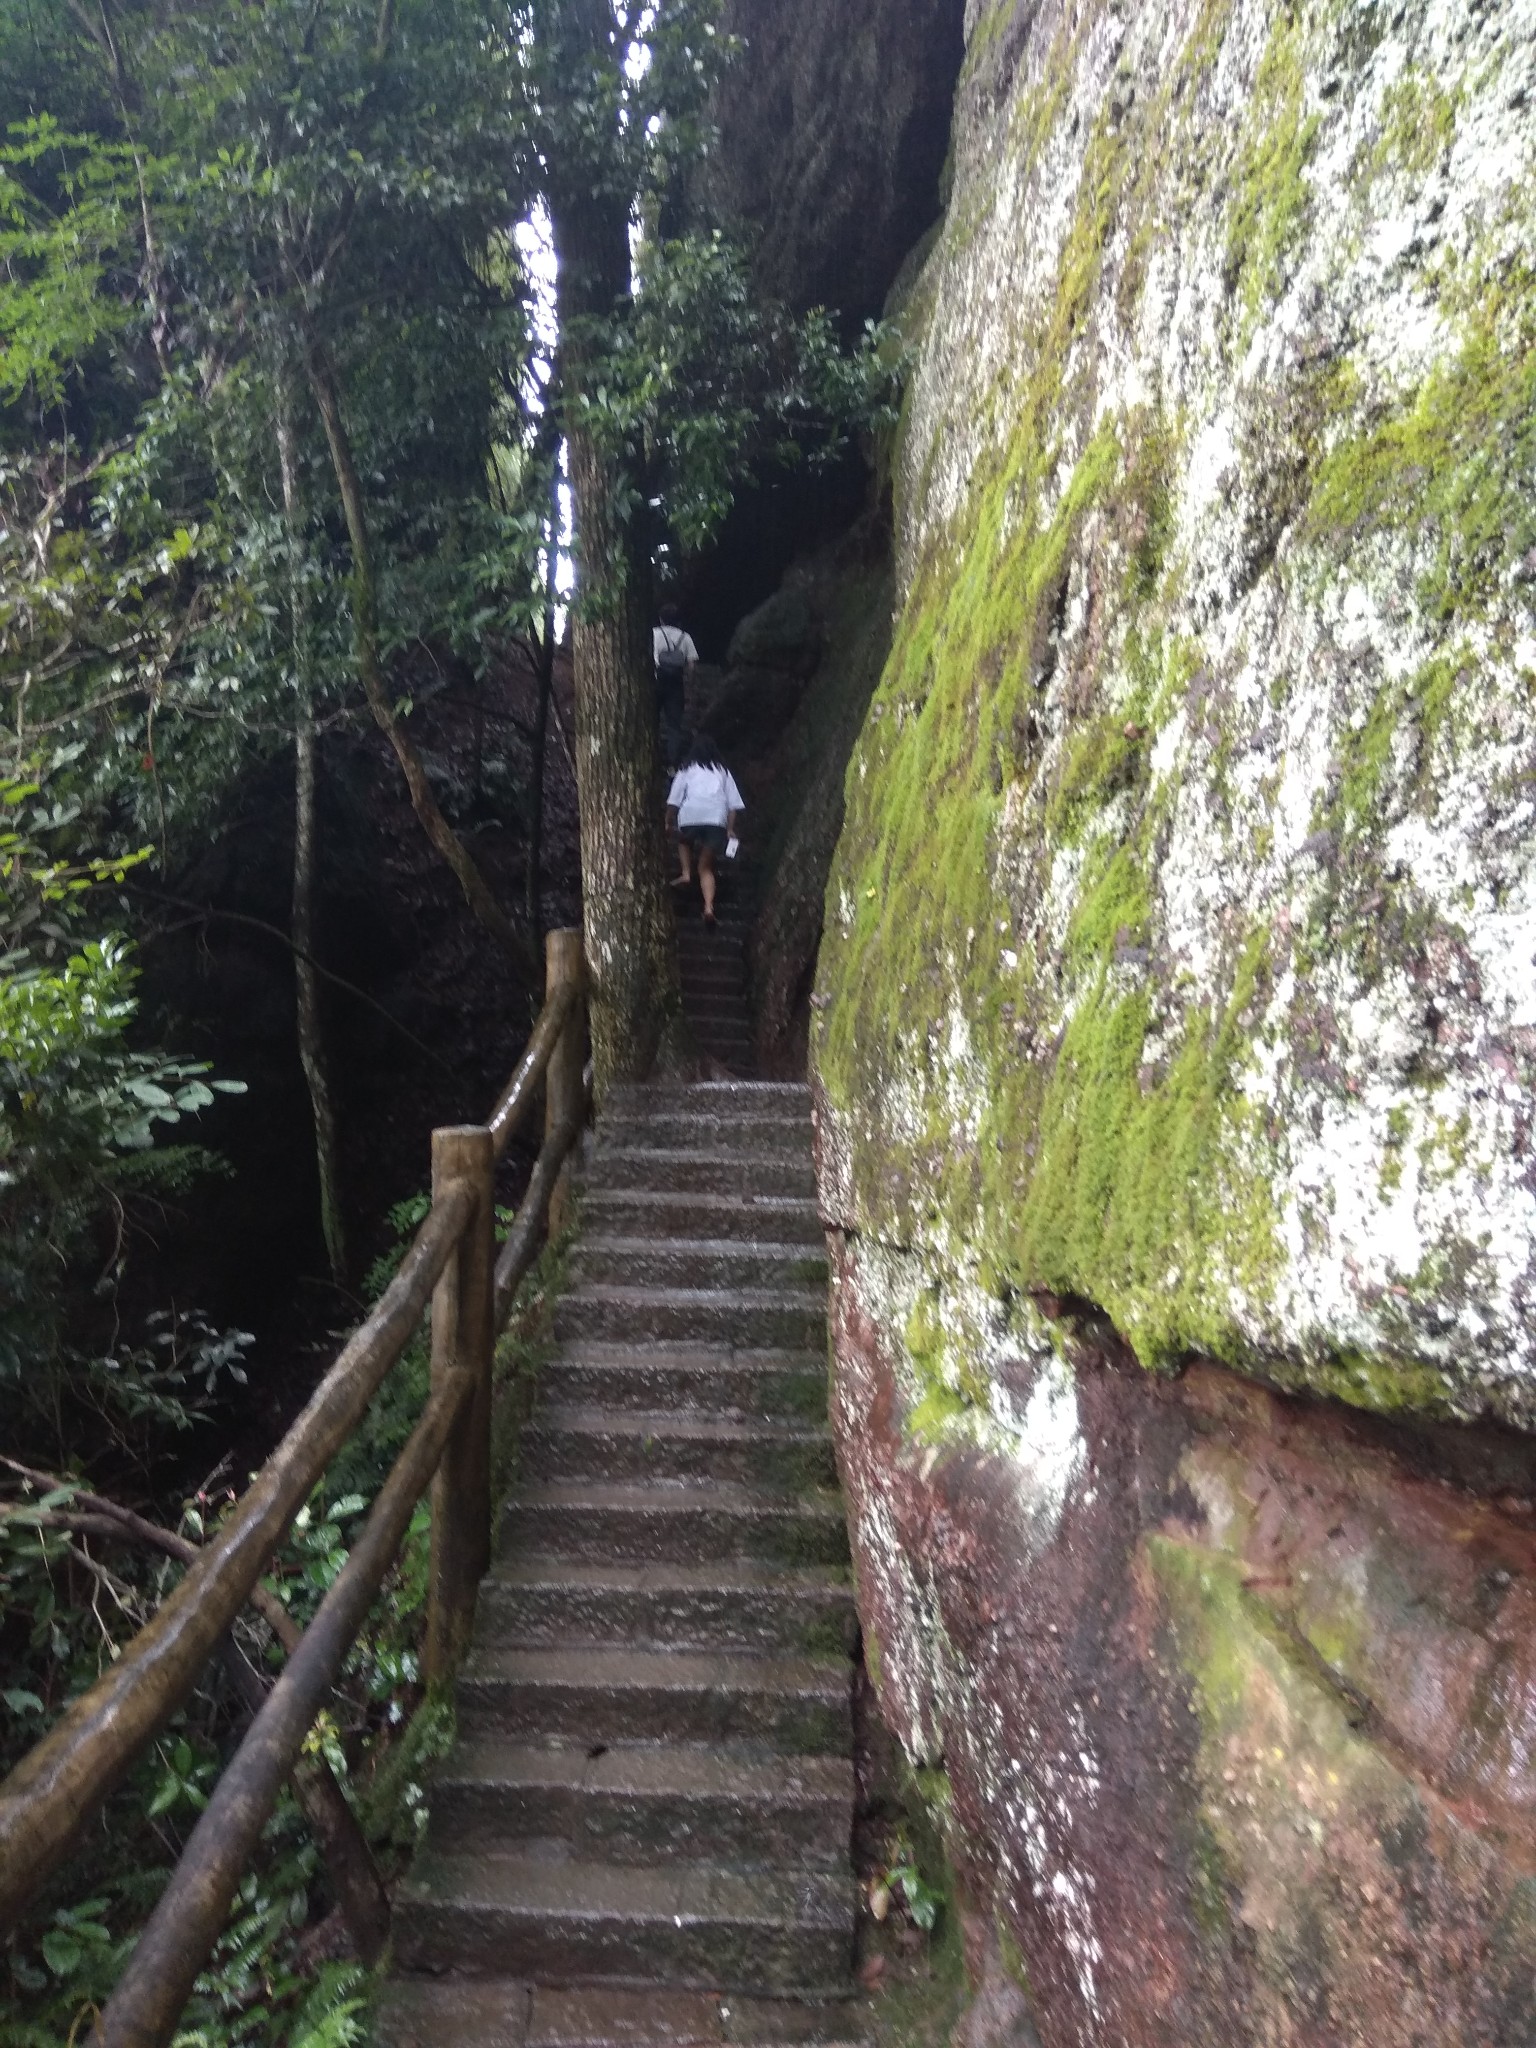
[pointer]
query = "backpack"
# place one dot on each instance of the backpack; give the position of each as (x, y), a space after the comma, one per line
(672, 662)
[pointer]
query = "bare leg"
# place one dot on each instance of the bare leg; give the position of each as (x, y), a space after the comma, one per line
(684, 854)
(707, 878)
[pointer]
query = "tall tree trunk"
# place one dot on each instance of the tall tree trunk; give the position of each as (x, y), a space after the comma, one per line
(540, 743)
(365, 603)
(312, 1049)
(636, 1004)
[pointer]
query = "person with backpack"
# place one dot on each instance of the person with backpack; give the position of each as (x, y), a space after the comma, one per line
(676, 657)
(704, 808)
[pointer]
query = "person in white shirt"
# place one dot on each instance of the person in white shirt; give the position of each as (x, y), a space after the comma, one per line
(676, 658)
(704, 808)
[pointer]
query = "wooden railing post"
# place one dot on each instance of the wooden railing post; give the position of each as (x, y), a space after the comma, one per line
(463, 1340)
(565, 1099)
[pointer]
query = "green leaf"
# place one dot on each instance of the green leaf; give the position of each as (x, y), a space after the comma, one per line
(62, 1953)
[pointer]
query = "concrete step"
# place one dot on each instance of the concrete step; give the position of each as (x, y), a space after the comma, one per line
(574, 1923)
(668, 1379)
(719, 1169)
(718, 1013)
(784, 1098)
(498, 2012)
(733, 1048)
(531, 1602)
(763, 1133)
(646, 1804)
(774, 1219)
(800, 1705)
(674, 1523)
(710, 980)
(794, 1317)
(695, 1262)
(629, 1446)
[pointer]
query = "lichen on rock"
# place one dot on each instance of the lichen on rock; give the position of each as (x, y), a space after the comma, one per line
(1176, 1020)
(1182, 930)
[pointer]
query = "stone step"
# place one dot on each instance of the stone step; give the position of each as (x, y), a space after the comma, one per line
(726, 1006)
(671, 1378)
(775, 1219)
(731, 1046)
(646, 1804)
(674, 1523)
(628, 1446)
(794, 1317)
(497, 2012)
(706, 981)
(573, 1923)
(800, 1705)
(529, 1602)
(695, 1262)
(764, 1133)
(720, 1169)
(784, 1098)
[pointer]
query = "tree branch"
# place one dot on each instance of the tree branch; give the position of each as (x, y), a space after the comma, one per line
(365, 609)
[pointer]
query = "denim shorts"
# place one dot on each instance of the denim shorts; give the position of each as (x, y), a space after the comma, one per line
(712, 836)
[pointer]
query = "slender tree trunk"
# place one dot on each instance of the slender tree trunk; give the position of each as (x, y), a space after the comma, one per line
(312, 1048)
(636, 1005)
(540, 744)
(366, 633)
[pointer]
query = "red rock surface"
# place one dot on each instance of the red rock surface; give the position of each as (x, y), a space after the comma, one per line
(1237, 1751)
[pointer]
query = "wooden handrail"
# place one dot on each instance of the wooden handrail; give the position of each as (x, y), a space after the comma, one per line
(58, 1786)
(523, 1089)
(62, 1782)
(184, 1926)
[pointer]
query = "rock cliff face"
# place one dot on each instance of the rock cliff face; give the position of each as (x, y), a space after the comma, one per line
(834, 126)
(1177, 1022)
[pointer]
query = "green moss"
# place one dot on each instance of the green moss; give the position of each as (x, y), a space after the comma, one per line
(1420, 720)
(1452, 464)
(1271, 198)
(1418, 124)
(1380, 1382)
(1391, 1179)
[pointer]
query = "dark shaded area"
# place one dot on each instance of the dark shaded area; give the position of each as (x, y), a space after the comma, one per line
(429, 1038)
(834, 129)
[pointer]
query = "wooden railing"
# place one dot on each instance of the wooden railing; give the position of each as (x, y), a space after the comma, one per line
(60, 1785)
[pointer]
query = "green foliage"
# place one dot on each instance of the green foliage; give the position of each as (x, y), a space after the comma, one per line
(713, 383)
(79, 1107)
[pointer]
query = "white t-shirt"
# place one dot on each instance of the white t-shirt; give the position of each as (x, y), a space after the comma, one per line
(675, 639)
(704, 796)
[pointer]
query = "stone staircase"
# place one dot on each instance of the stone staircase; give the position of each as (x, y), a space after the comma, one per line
(643, 1833)
(713, 969)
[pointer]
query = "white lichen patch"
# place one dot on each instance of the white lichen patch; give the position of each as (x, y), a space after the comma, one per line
(1330, 230)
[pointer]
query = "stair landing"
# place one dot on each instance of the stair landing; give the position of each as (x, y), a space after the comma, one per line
(643, 1833)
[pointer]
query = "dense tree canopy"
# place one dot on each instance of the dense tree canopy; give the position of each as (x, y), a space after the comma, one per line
(274, 412)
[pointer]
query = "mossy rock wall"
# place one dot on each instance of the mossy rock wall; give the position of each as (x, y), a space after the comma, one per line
(1175, 1024)
(1180, 940)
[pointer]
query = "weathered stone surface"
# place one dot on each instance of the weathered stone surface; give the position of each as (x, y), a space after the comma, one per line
(833, 132)
(1182, 930)
(1232, 1700)
(1178, 988)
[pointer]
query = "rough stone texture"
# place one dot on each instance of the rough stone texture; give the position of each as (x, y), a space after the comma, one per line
(831, 617)
(1197, 798)
(1230, 1704)
(1177, 1004)
(834, 125)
